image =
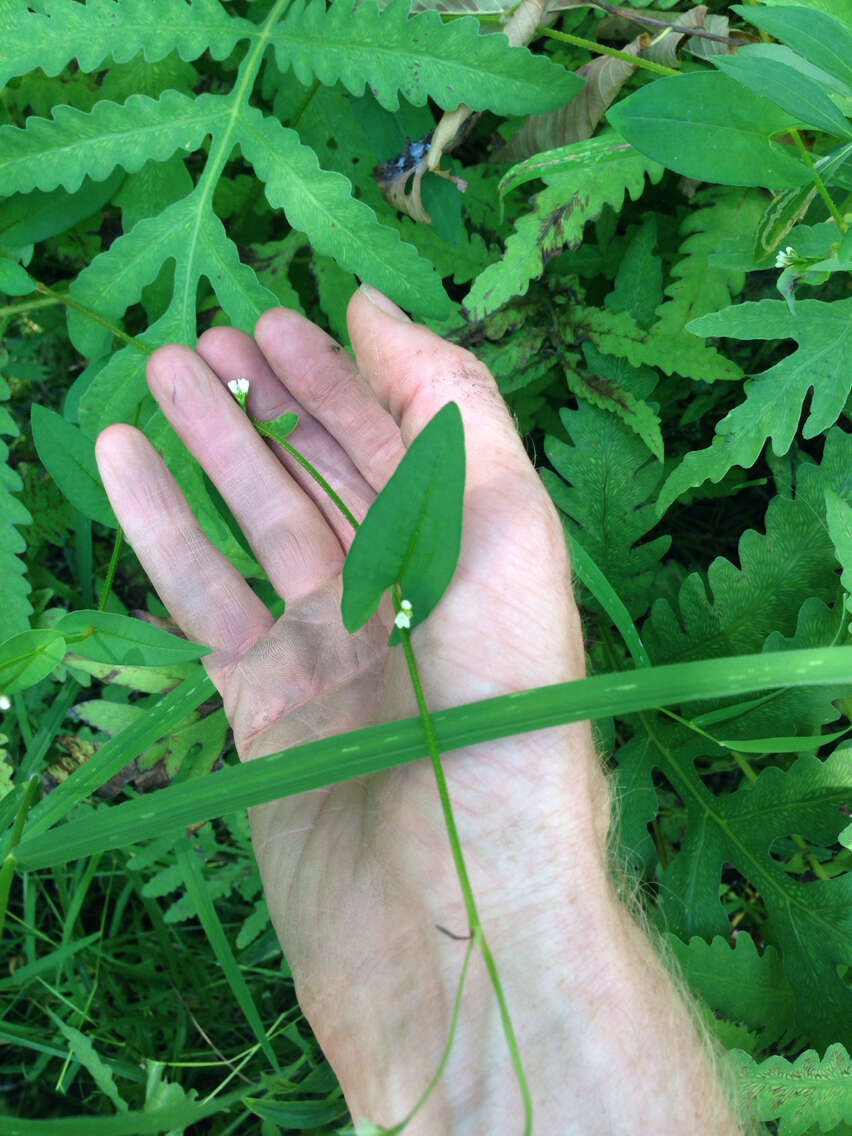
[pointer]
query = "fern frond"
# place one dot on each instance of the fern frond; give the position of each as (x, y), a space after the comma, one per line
(62, 151)
(801, 1094)
(559, 216)
(416, 56)
(15, 611)
(62, 30)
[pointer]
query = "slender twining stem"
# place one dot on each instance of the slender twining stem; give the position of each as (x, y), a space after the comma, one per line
(7, 872)
(464, 880)
(64, 298)
(113, 564)
(641, 18)
(477, 934)
(820, 184)
(306, 465)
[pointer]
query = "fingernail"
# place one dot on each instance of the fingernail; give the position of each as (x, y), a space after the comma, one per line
(380, 300)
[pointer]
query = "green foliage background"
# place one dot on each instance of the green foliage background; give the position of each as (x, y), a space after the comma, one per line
(165, 166)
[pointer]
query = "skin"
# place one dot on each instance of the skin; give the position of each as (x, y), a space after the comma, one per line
(359, 876)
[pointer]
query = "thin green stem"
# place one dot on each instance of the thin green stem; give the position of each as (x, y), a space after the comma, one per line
(111, 569)
(27, 306)
(64, 298)
(312, 470)
(476, 938)
(600, 49)
(805, 155)
(464, 880)
(7, 872)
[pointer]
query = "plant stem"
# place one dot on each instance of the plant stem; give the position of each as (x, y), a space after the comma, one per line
(599, 49)
(464, 880)
(805, 154)
(64, 298)
(312, 470)
(7, 872)
(113, 565)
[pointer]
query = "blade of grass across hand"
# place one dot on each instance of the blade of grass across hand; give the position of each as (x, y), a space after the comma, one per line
(329, 760)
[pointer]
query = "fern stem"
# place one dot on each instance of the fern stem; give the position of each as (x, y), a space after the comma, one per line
(820, 184)
(599, 49)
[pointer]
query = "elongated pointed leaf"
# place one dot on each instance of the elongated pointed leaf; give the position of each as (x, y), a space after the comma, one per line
(28, 657)
(115, 638)
(819, 37)
(412, 534)
(707, 126)
(373, 748)
(69, 457)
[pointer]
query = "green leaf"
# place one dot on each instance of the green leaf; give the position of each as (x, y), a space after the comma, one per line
(62, 30)
(788, 88)
(62, 151)
(583, 155)
(85, 1052)
(411, 535)
(28, 657)
(709, 127)
(320, 204)
(69, 457)
(114, 638)
(359, 752)
(27, 218)
(14, 279)
(559, 216)
(16, 609)
(801, 1093)
(819, 37)
(739, 983)
(774, 398)
(838, 514)
(417, 56)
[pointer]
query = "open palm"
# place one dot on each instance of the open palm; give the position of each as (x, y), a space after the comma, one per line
(358, 874)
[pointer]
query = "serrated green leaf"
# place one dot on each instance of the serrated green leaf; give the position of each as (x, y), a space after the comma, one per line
(418, 56)
(810, 1090)
(707, 126)
(583, 155)
(61, 30)
(69, 457)
(114, 638)
(788, 88)
(411, 535)
(774, 398)
(27, 218)
(85, 1052)
(320, 204)
(816, 35)
(559, 216)
(62, 151)
(838, 515)
(16, 608)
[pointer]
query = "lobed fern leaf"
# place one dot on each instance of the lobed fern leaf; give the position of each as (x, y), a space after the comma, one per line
(739, 983)
(557, 221)
(774, 398)
(778, 571)
(416, 56)
(800, 1094)
(16, 608)
(606, 484)
(62, 151)
(60, 31)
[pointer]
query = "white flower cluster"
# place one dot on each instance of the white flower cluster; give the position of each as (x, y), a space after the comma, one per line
(239, 389)
(403, 616)
(785, 259)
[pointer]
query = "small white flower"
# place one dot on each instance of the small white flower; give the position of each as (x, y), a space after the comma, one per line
(5, 702)
(239, 389)
(785, 259)
(403, 616)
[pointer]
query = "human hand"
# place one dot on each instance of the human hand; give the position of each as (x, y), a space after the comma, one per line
(357, 875)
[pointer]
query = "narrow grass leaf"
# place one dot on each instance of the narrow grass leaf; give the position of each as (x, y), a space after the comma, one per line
(412, 534)
(196, 888)
(600, 587)
(373, 748)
